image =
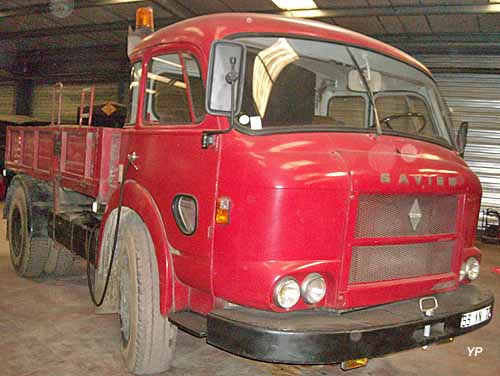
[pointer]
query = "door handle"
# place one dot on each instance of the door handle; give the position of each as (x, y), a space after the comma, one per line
(132, 157)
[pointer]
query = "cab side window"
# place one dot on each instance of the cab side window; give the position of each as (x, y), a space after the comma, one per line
(168, 99)
(195, 86)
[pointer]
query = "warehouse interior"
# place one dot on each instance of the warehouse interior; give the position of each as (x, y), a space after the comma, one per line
(50, 328)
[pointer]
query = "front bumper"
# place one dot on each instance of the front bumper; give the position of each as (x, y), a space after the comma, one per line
(318, 337)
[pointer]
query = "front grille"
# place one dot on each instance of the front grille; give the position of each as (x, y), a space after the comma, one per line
(386, 262)
(389, 215)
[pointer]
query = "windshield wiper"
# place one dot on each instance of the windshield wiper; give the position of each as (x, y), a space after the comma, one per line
(368, 90)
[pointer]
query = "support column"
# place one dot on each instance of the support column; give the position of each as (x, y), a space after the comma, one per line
(24, 92)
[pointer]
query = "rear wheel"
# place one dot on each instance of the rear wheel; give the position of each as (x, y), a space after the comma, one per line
(28, 255)
(60, 260)
(147, 337)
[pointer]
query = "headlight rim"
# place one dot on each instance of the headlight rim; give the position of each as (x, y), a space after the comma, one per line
(306, 282)
(279, 285)
(468, 269)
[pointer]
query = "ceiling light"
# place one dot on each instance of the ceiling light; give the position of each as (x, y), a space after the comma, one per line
(295, 4)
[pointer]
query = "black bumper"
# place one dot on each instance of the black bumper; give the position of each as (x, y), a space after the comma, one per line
(318, 337)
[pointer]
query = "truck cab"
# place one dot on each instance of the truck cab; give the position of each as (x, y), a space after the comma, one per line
(290, 190)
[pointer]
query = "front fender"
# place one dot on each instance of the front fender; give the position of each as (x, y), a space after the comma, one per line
(137, 198)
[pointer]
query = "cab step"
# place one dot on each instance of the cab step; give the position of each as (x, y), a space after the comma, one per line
(190, 322)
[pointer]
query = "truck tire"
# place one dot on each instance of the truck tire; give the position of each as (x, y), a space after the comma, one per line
(60, 261)
(147, 337)
(28, 254)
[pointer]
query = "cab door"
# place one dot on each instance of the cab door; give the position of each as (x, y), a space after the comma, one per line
(173, 167)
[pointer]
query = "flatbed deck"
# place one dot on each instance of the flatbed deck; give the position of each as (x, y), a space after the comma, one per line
(81, 158)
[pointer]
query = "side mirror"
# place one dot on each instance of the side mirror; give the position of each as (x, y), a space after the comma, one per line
(462, 138)
(226, 68)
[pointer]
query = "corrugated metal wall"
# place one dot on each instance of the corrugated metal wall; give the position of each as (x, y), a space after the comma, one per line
(476, 98)
(7, 98)
(456, 62)
(41, 104)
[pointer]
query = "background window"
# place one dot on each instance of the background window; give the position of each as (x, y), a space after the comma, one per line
(195, 86)
(347, 111)
(166, 92)
(401, 104)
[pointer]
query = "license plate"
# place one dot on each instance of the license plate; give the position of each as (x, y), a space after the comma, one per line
(475, 317)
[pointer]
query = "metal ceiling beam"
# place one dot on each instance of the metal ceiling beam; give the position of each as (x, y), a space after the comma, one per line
(393, 11)
(55, 53)
(76, 29)
(174, 8)
(46, 8)
(448, 38)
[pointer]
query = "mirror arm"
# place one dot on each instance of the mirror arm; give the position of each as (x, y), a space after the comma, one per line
(232, 77)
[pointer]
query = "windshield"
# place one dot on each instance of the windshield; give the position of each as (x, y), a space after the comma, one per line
(297, 84)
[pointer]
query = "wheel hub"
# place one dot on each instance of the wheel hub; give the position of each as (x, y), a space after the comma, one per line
(16, 232)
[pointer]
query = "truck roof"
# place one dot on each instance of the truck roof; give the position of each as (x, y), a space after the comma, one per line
(202, 30)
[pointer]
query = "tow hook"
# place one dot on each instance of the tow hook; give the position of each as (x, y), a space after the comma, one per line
(428, 312)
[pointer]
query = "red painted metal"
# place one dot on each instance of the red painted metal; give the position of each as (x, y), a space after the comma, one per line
(83, 114)
(288, 218)
(84, 164)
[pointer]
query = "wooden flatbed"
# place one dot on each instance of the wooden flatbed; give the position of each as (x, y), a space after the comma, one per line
(81, 158)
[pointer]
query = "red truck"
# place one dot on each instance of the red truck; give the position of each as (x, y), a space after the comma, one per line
(288, 189)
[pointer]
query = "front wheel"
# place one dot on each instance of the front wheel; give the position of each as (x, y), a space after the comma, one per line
(147, 337)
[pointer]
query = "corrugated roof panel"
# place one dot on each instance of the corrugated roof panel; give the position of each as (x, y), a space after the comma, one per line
(59, 41)
(489, 23)
(403, 2)
(8, 5)
(22, 23)
(444, 23)
(203, 6)
(365, 25)
(452, 2)
(125, 11)
(71, 19)
(415, 24)
(99, 15)
(255, 5)
(392, 24)
(379, 3)
(107, 37)
(25, 3)
(341, 3)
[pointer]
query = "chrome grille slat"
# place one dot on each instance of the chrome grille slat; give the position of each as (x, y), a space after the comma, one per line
(388, 215)
(387, 262)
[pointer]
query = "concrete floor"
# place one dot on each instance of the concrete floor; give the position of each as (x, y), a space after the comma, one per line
(50, 328)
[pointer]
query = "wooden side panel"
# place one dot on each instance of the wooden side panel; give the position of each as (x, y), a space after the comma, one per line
(45, 151)
(79, 164)
(73, 156)
(28, 148)
(85, 159)
(14, 149)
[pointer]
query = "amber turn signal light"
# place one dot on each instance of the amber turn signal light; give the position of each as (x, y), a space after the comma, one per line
(354, 363)
(222, 211)
(144, 18)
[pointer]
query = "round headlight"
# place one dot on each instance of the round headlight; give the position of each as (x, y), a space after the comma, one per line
(463, 272)
(313, 288)
(472, 268)
(287, 293)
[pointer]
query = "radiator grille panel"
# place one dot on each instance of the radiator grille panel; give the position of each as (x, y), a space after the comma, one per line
(386, 262)
(389, 215)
